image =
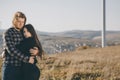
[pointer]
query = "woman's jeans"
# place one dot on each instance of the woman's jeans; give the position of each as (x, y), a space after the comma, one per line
(10, 72)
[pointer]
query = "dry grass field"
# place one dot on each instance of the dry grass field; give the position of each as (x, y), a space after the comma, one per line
(82, 64)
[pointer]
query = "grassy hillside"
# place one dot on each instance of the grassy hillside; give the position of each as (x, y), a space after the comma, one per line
(82, 64)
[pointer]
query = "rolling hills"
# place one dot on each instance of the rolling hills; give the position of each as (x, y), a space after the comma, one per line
(69, 40)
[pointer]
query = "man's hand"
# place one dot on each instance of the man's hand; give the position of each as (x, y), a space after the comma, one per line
(34, 51)
(31, 60)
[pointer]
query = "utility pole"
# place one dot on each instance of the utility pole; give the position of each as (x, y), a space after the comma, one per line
(104, 25)
(0, 24)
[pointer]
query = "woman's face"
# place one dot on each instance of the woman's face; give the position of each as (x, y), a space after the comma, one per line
(26, 33)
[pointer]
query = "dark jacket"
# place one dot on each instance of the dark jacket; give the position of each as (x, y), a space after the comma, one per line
(30, 71)
(27, 44)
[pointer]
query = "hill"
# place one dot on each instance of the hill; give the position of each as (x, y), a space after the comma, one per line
(82, 64)
(69, 40)
(83, 34)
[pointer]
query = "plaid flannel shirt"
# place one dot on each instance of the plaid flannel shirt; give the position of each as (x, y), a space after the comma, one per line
(13, 56)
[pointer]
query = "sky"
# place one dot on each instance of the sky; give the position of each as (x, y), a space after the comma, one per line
(62, 15)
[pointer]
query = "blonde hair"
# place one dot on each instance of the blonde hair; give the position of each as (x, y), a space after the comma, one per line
(18, 15)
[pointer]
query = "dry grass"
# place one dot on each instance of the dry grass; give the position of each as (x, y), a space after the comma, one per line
(0, 67)
(82, 64)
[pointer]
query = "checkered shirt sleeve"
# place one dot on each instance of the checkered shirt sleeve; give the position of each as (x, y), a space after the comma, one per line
(11, 38)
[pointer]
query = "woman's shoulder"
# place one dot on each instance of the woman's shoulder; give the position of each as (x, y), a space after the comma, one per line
(27, 42)
(31, 39)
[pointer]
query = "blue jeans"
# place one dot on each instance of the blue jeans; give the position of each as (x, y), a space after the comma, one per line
(10, 72)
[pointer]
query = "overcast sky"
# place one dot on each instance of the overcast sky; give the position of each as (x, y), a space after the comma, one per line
(62, 15)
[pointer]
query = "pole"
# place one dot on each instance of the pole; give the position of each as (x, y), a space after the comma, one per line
(104, 25)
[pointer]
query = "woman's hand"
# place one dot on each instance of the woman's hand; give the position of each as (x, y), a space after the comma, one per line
(34, 51)
(31, 59)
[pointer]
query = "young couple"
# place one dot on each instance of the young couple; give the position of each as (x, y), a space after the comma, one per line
(21, 47)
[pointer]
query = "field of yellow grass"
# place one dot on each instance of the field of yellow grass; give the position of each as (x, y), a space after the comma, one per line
(82, 64)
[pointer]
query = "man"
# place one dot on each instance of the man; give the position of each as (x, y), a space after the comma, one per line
(13, 59)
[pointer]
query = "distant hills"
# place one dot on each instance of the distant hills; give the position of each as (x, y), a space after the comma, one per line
(69, 40)
(83, 34)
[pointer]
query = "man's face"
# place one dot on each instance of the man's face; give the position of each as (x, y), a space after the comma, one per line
(19, 23)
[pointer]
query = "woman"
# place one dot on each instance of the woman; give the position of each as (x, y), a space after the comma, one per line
(30, 71)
